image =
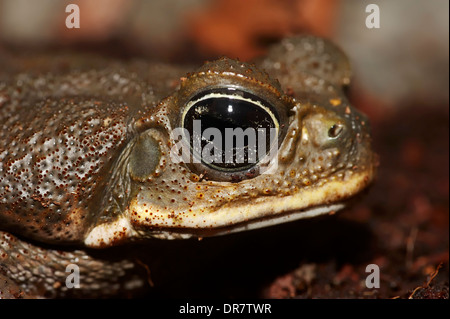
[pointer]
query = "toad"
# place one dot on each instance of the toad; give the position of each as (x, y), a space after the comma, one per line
(89, 158)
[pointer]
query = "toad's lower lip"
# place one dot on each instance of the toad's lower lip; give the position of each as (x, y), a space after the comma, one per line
(147, 215)
(141, 221)
(185, 233)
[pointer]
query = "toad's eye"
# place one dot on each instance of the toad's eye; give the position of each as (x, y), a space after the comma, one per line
(230, 132)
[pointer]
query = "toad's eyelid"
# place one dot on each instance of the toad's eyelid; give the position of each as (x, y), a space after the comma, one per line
(231, 97)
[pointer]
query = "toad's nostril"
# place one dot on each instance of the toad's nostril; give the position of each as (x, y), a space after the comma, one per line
(335, 130)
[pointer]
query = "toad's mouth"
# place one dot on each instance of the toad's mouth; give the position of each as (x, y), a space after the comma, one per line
(144, 222)
(185, 233)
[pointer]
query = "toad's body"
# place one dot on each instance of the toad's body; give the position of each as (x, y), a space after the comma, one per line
(85, 152)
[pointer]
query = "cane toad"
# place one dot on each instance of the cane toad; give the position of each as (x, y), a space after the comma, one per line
(87, 156)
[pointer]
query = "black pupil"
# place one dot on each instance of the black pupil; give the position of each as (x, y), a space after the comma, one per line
(246, 129)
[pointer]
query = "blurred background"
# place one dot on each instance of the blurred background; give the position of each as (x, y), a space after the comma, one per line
(401, 80)
(406, 58)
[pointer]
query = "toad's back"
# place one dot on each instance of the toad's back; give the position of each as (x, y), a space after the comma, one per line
(61, 133)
